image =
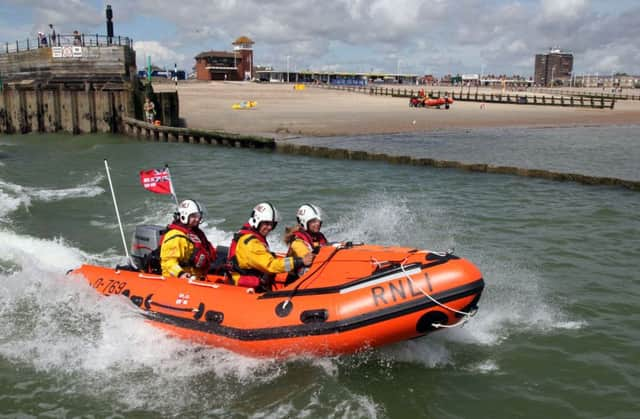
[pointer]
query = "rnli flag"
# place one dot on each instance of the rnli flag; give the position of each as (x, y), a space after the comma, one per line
(158, 181)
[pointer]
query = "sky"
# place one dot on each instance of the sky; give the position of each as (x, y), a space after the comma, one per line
(392, 36)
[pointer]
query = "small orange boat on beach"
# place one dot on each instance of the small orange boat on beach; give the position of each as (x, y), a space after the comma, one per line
(352, 297)
(421, 102)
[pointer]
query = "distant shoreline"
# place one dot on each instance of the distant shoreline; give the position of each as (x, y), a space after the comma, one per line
(282, 112)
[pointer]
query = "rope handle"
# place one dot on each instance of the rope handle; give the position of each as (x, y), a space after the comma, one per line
(466, 315)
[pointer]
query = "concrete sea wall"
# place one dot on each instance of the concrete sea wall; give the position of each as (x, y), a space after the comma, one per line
(75, 89)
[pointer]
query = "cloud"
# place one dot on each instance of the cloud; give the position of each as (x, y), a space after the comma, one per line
(161, 55)
(558, 10)
(349, 35)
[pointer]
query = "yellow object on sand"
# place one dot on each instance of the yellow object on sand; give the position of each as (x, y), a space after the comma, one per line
(298, 86)
(245, 104)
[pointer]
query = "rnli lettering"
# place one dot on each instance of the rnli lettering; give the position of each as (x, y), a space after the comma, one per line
(378, 293)
(395, 291)
(109, 286)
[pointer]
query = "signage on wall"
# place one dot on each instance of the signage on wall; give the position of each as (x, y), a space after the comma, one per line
(67, 52)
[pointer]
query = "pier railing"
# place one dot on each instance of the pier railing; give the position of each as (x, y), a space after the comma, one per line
(468, 96)
(80, 39)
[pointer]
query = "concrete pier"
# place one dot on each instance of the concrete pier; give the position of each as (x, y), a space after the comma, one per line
(88, 90)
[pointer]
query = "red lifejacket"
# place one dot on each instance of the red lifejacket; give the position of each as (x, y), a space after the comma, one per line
(312, 240)
(203, 253)
(248, 277)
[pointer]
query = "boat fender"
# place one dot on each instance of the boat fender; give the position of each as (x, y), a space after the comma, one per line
(214, 317)
(314, 316)
(284, 308)
(199, 312)
(427, 322)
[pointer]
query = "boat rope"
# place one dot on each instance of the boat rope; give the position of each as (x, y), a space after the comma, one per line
(335, 250)
(466, 315)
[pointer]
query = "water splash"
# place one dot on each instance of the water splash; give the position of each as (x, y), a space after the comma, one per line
(13, 196)
(60, 326)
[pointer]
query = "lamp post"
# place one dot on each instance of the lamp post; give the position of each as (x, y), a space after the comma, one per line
(288, 56)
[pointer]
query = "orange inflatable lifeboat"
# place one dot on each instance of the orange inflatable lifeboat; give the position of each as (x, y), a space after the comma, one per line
(352, 297)
(421, 102)
(438, 102)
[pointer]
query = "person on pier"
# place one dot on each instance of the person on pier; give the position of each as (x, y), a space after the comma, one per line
(149, 110)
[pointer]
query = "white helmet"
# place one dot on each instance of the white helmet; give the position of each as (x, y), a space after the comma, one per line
(187, 208)
(262, 212)
(308, 212)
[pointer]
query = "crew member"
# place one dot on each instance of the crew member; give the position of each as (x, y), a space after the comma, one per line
(252, 262)
(306, 237)
(185, 250)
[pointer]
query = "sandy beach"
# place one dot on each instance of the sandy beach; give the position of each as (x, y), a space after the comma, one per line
(282, 112)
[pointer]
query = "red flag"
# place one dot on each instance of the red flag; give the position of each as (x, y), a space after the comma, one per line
(158, 181)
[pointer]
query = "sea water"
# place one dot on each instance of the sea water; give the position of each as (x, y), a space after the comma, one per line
(557, 333)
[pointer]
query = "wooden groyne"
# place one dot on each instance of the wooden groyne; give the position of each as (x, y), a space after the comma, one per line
(588, 94)
(142, 130)
(343, 154)
(468, 96)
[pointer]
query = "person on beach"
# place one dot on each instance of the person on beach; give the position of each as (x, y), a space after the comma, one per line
(304, 238)
(149, 110)
(185, 251)
(253, 265)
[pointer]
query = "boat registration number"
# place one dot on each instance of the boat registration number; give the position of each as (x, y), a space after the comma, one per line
(109, 286)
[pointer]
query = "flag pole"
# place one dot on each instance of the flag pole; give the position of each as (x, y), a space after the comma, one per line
(173, 192)
(115, 205)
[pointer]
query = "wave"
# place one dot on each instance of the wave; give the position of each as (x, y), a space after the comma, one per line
(14, 196)
(59, 326)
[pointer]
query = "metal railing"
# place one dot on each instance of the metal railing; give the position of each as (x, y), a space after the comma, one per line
(78, 39)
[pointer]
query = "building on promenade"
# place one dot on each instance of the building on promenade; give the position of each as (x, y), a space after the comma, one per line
(268, 74)
(553, 68)
(224, 65)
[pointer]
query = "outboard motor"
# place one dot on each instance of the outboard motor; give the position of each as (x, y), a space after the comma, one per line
(145, 247)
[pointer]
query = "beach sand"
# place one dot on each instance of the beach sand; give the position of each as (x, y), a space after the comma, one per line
(283, 112)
